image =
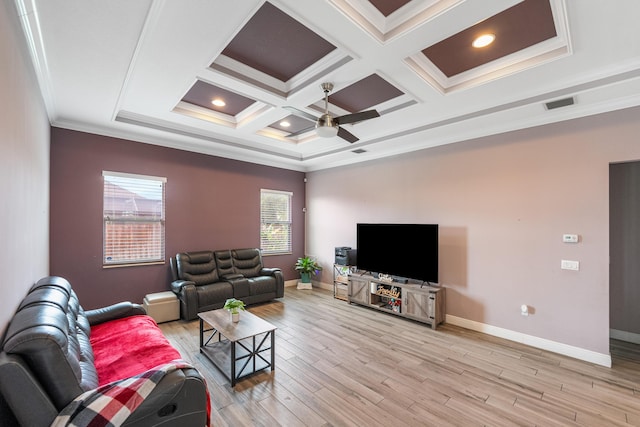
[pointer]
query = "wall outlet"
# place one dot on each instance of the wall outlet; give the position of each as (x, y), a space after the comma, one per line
(569, 265)
(570, 238)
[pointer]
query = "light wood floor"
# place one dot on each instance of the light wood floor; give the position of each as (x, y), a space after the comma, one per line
(339, 364)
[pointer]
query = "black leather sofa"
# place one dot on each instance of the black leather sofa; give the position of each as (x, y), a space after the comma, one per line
(47, 361)
(204, 280)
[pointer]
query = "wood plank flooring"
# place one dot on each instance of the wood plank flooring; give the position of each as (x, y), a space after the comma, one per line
(344, 365)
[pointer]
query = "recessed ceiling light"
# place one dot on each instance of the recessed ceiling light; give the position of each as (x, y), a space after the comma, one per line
(285, 124)
(484, 40)
(218, 102)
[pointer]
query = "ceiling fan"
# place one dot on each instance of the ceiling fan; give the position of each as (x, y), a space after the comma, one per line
(328, 126)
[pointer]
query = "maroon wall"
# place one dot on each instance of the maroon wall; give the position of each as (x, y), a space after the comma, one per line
(211, 203)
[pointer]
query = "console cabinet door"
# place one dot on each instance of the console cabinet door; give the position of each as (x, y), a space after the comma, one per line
(358, 290)
(417, 306)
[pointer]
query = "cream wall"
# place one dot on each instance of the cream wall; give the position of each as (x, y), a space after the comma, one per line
(24, 170)
(503, 204)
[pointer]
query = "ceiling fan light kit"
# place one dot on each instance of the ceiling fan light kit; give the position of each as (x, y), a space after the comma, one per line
(326, 130)
(326, 125)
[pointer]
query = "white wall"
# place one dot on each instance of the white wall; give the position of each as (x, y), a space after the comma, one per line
(24, 170)
(503, 204)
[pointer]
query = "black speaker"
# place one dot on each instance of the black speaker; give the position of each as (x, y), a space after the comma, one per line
(352, 257)
(342, 250)
(347, 257)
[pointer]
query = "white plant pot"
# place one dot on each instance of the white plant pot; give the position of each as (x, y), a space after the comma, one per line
(235, 317)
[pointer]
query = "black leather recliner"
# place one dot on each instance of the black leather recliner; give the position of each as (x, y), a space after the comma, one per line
(47, 361)
(204, 280)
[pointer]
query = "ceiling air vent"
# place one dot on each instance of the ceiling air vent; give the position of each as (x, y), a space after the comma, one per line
(559, 103)
(359, 151)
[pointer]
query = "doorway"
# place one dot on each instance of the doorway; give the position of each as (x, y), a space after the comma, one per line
(624, 256)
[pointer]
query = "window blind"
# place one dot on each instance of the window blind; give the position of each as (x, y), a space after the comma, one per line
(133, 219)
(275, 221)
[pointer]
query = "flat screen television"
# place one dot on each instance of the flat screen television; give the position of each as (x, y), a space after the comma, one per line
(408, 251)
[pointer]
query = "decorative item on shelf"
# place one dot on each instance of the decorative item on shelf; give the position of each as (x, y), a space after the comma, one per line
(392, 292)
(234, 305)
(395, 304)
(306, 266)
(385, 277)
(342, 271)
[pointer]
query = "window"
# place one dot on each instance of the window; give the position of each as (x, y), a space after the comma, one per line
(133, 213)
(275, 221)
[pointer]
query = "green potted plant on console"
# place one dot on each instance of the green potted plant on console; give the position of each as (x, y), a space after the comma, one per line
(306, 266)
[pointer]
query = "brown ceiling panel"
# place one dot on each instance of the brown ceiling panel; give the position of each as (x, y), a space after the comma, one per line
(276, 44)
(365, 93)
(202, 94)
(295, 124)
(519, 27)
(387, 7)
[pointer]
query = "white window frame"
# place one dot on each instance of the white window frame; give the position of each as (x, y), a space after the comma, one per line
(151, 248)
(267, 246)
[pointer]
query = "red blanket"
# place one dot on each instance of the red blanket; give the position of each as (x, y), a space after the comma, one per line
(129, 346)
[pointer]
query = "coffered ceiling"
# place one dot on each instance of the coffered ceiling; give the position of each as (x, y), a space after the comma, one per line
(150, 71)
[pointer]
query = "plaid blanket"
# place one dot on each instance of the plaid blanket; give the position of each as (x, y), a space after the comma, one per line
(111, 404)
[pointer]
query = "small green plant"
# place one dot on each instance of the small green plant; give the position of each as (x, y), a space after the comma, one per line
(307, 265)
(233, 305)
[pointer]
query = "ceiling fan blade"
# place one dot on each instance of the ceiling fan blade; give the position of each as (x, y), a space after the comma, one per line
(347, 136)
(300, 113)
(300, 132)
(356, 117)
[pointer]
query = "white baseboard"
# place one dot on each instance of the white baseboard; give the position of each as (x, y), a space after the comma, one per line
(321, 285)
(542, 343)
(624, 336)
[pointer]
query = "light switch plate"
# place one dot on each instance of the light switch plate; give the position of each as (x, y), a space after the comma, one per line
(570, 238)
(569, 265)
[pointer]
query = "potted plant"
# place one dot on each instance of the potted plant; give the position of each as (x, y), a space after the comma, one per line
(307, 266)
(234, 305)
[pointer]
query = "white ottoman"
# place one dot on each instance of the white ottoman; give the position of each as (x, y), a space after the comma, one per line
(162, 306)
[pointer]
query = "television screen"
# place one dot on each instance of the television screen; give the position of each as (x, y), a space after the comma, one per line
(403, 250)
